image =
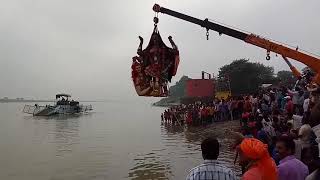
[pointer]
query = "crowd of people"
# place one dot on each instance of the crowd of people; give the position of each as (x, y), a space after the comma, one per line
(274, 101)
(279, 134)
(281, 124)
(199, 113)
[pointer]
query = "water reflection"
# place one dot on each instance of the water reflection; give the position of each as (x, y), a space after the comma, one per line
(171, 128)
(66, 134)
(150, 166)
(63, 131)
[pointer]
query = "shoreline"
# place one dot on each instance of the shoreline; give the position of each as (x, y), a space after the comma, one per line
(34, 101)
(20, 101)
(167, 102)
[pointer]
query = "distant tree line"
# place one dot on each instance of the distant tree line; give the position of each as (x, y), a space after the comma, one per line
(179, 89)
(244, 76)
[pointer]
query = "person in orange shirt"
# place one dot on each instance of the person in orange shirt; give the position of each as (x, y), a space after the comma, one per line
(259, 165)
(211, 114)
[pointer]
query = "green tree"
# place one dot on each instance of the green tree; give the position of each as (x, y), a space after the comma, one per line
(286, 78)
(178, 90)
(245, 76)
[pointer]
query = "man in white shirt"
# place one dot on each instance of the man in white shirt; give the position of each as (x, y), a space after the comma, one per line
(297, 121)
(306, 105)
(211, 169)
(295, 97)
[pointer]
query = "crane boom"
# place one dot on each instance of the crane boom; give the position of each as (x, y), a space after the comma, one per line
(203, 23)
(286, 52)
(294, 70)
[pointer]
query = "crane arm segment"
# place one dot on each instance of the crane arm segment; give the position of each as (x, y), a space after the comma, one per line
(294, 70)
(312, 62)
(203, 23)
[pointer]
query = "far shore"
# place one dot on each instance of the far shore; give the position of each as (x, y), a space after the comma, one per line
(32, 101)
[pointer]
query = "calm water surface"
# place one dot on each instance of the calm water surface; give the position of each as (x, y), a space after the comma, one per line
(116, 141)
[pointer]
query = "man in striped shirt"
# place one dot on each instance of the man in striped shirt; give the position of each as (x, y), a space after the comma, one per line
(211, 169)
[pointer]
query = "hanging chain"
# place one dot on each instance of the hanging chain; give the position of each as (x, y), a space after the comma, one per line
(205, 25)
(156, 19)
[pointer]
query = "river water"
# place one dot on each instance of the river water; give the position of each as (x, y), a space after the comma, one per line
(117, 141)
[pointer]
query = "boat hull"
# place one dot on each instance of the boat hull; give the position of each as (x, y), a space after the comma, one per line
(54, 110)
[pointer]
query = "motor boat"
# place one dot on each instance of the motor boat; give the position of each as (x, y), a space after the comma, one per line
(63, 105)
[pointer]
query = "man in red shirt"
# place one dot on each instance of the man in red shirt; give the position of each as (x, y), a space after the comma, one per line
(247, 105)
(289, 105)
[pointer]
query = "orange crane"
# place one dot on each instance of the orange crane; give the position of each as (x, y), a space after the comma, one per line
(286, 52)
(294, 70)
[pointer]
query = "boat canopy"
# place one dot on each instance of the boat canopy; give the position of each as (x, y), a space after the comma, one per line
(62, 95)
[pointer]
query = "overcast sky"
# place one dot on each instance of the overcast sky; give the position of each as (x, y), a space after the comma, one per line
(84, 47)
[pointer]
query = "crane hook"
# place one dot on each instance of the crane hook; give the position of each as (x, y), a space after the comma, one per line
(268, 57)
(207, 34)
(156, 20)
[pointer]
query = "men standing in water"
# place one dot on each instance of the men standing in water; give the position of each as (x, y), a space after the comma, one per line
(211, 169)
